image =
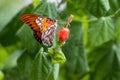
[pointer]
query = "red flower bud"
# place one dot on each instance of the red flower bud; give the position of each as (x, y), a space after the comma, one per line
(63, 34)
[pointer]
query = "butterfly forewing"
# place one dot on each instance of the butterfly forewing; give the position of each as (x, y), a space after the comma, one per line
(30, 20)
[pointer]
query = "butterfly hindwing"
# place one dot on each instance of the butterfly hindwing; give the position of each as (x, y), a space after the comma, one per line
(37, 36)
(48, 35)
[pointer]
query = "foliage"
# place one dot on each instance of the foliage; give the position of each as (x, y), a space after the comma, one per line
(92, 51)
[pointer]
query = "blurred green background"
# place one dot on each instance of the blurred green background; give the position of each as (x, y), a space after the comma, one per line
(92, 50)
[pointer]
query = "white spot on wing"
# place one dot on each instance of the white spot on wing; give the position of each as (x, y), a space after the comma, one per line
(40, 18)
(37, 21)
(40, 24)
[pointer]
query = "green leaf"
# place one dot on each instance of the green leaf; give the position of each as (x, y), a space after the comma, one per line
(100, 8)
(1, 75)
(115, 72)
(12, 60)
(56, 71)
(118, 31)
(100, 60)
(8, 9)
(116, 67)
(14, 73)
(103, 63)
(46, 9)
(116, 63)
(36, 2)
(101, 31)
(73, 8)
(117, 50)
(27, 39)
(114, 6)
(42, 67)
(24, 63)
(8, 34)
(3, 56)
(76, 64)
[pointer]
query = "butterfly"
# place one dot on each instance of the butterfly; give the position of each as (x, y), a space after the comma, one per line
(43, 27)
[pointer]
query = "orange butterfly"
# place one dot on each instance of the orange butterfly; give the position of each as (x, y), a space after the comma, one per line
(43, 27)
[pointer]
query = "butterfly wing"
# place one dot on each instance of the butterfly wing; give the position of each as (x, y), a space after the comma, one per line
(30, 20)
(44, 28)
(48, 35)
(37, 36)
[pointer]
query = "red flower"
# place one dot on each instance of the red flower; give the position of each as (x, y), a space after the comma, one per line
(63, 34)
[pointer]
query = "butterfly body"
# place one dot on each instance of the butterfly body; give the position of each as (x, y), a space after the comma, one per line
(44, 28)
